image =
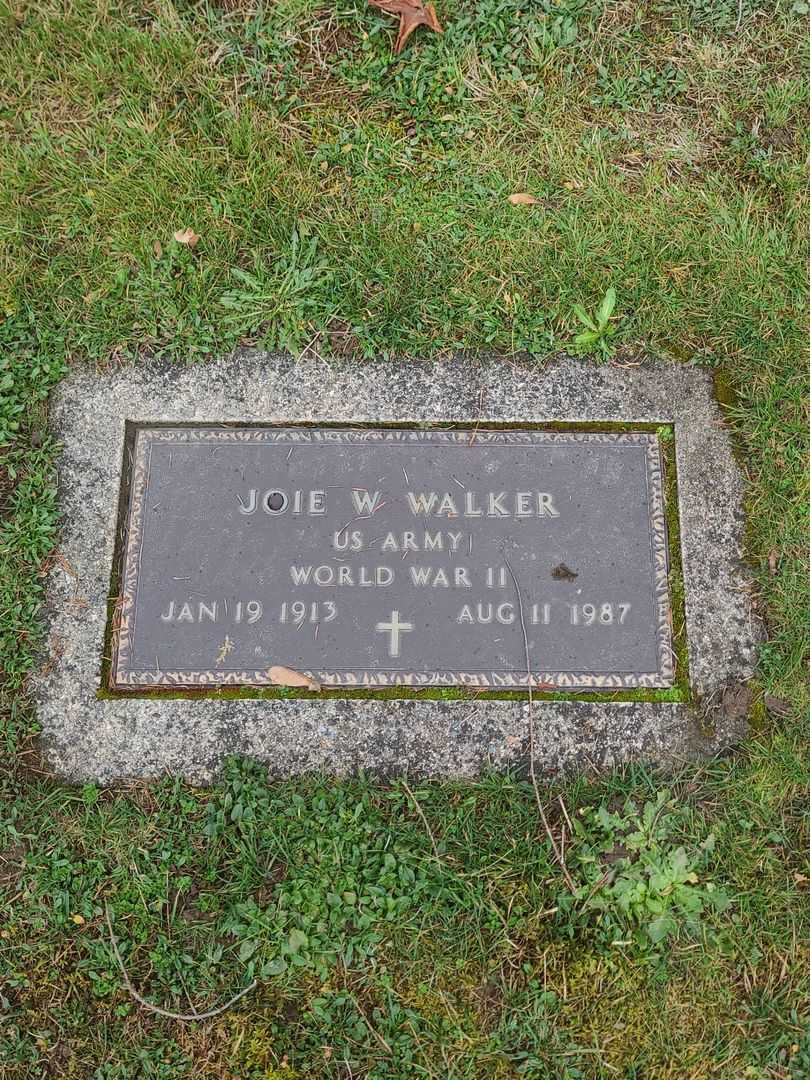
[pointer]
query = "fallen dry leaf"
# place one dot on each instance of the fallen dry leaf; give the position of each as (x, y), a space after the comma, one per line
(157, 247)
(187, 237)
(522, 198)
(412, 13)
(285, 676)
(773, 560)
(564, 573)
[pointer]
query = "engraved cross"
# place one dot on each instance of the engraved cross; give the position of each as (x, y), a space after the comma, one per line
(394, 628)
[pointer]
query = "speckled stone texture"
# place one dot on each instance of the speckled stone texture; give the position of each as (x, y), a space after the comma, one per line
(85, 737)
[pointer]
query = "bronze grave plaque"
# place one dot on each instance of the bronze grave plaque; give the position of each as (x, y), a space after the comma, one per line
(372, 557)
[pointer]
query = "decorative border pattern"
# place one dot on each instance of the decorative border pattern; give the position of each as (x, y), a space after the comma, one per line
(132, 528)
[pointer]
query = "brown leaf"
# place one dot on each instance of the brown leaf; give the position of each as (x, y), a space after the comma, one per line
(187, 237)
(564, 573)
(522, 198)
(773, 560)
(157, 247)
(412, 13)
(285, 676)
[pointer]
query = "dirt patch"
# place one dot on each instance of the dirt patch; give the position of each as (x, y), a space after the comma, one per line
(6, 487)
(342, 340)
(779, 138)
(778, 707)
(245, 7)
(188, 908)
(729, 708)
(487, 1000)
(662, 139)
(617, 854)
(735, 702)
(12, 862)
(267, 891)
(324, 40)
(29, 765)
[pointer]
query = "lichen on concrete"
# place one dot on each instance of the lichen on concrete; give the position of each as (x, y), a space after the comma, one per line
(88, 737)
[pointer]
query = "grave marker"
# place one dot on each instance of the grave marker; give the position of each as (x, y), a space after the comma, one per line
(387, 556)
(575, 513)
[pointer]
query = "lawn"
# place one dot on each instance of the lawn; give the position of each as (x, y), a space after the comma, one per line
(345, 199)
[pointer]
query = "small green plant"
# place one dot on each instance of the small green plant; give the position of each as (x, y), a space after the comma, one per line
(641, 886)
(278, 299)
(641, 88)
(337, 890)
(597, 337)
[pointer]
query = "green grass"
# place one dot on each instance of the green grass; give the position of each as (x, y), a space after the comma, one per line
(345, 198)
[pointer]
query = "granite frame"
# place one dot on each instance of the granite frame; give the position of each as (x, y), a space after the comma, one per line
(89, 735)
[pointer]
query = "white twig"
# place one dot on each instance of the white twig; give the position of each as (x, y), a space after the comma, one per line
(386, 1046)
(530, 678)
(565, 814)
(186, 1017)
(371, 1027)
(421, 814)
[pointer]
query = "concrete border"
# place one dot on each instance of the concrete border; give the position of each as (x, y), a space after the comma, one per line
(87, 737)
